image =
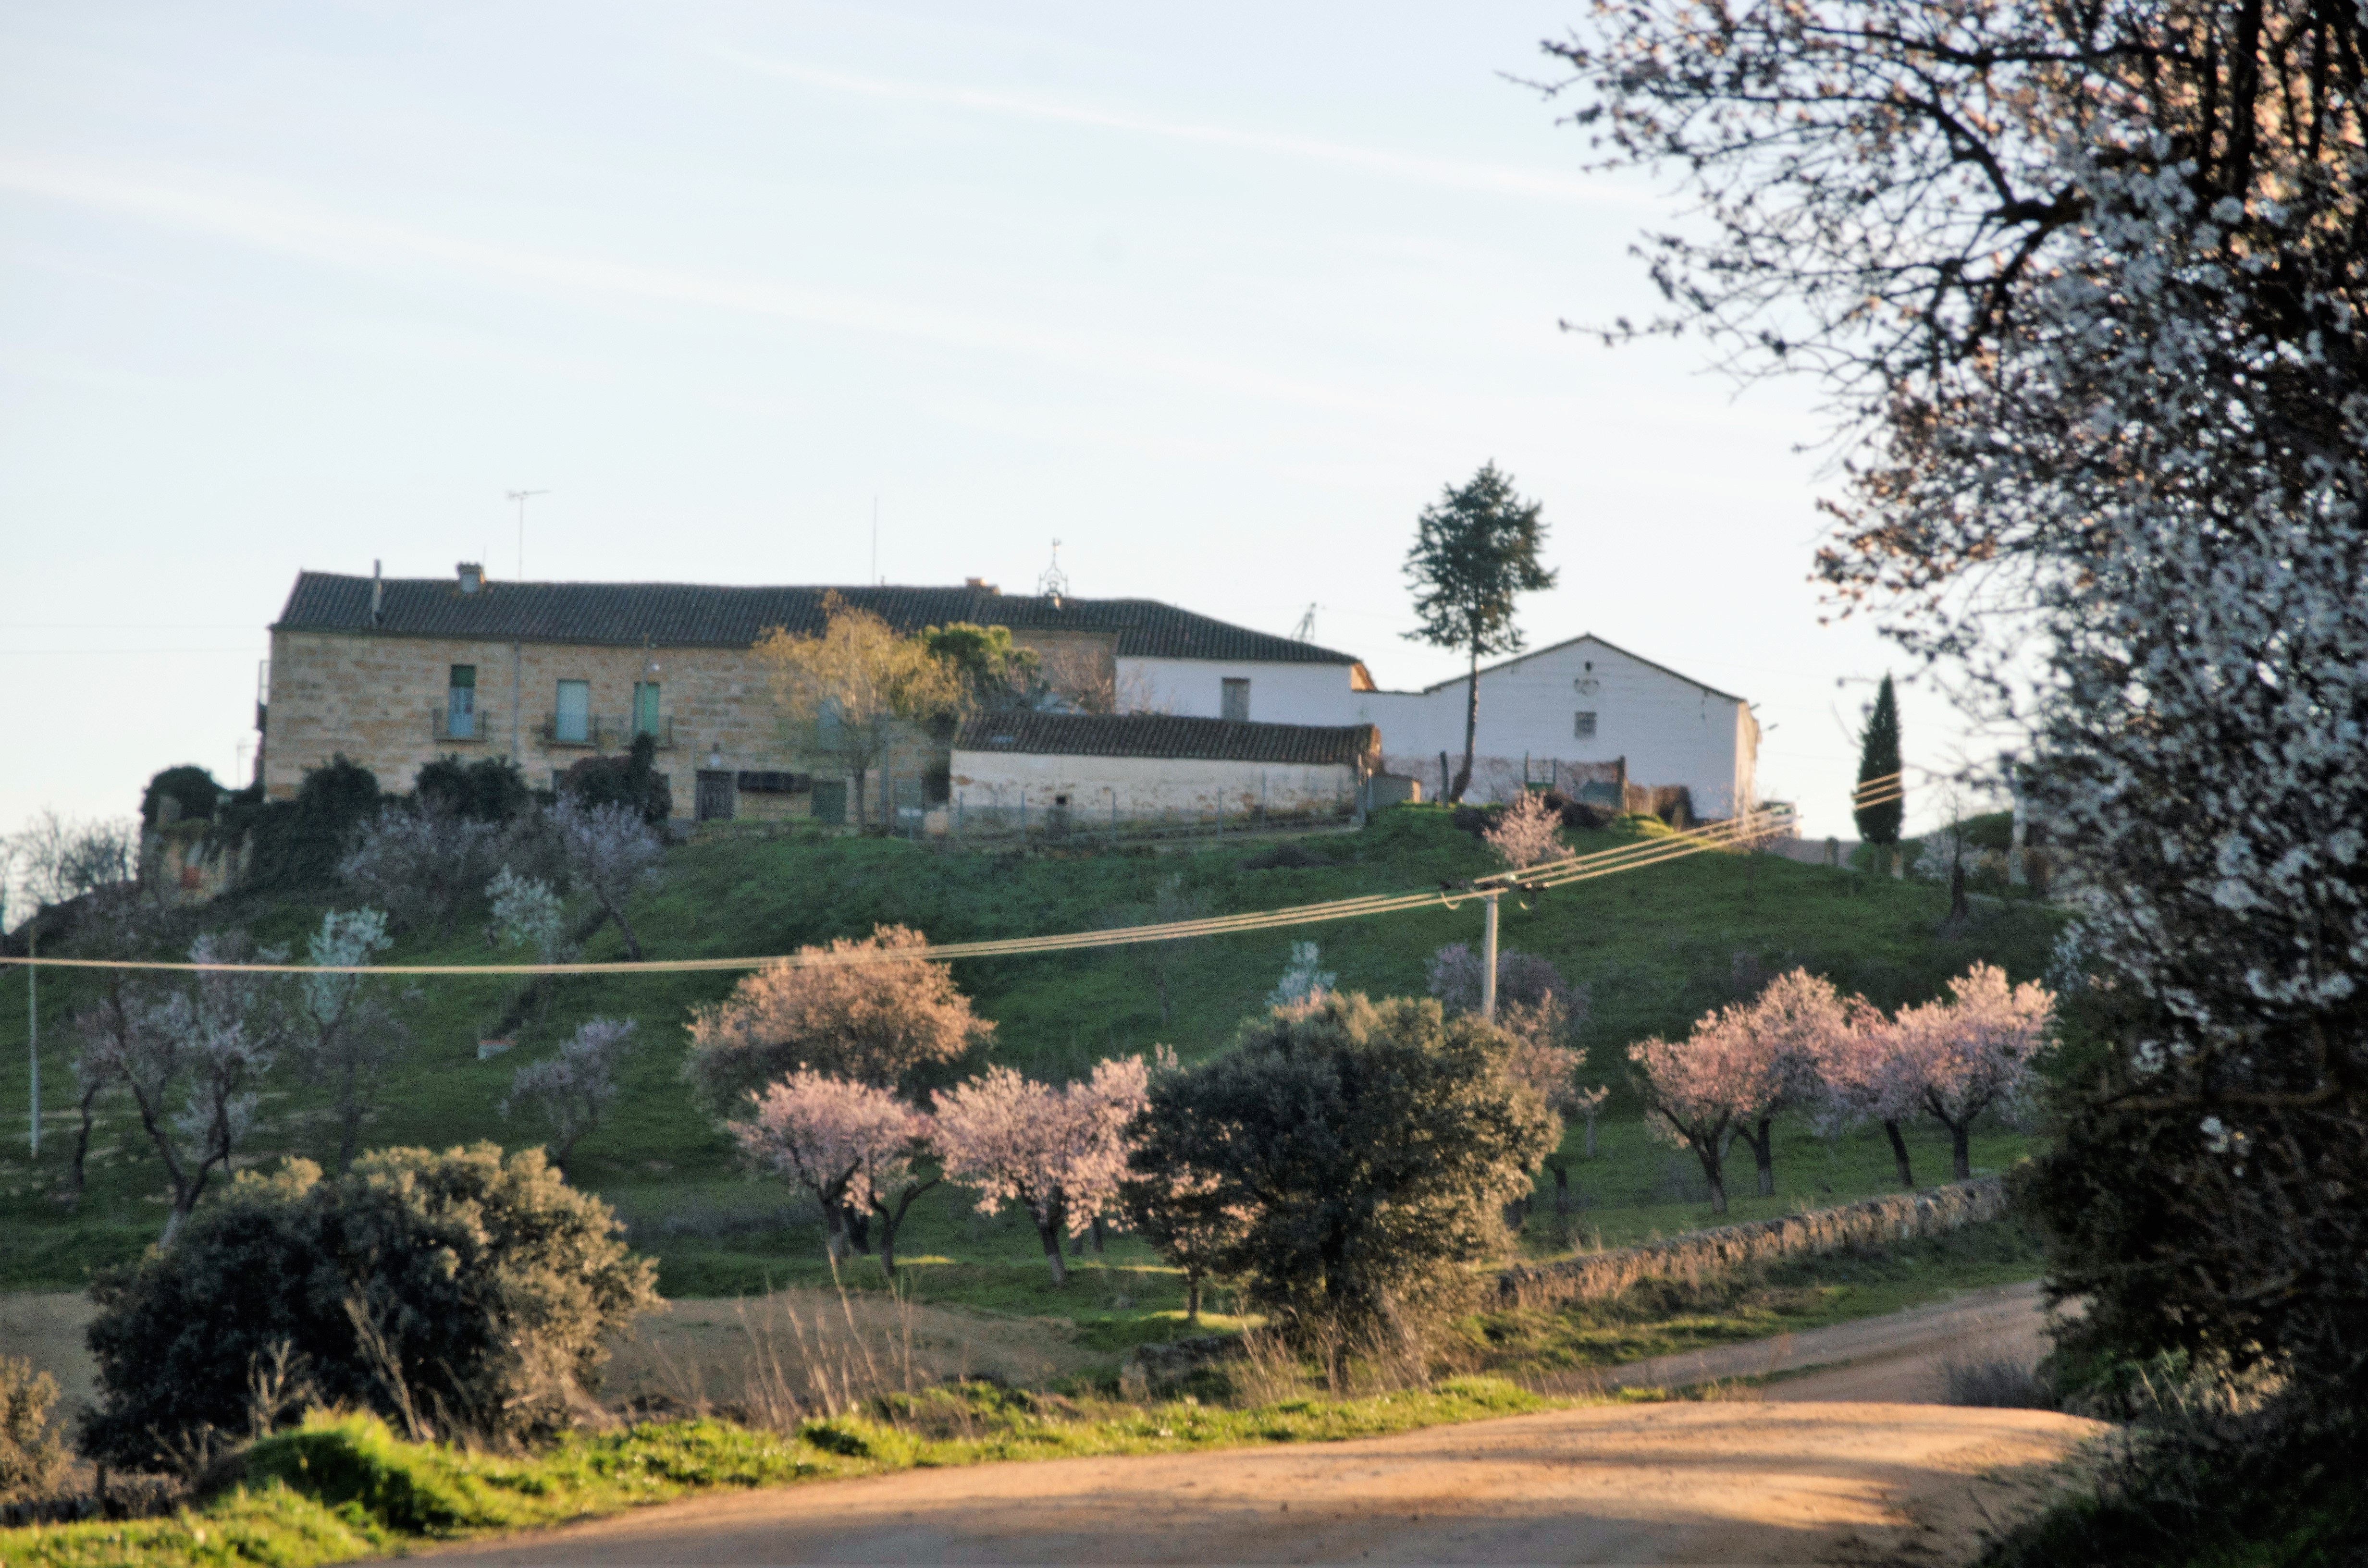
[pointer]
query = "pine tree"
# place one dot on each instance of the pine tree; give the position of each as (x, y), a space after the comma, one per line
(1473, 551)
(1878, 757)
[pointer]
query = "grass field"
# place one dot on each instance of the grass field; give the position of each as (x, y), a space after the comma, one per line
(1653, 947)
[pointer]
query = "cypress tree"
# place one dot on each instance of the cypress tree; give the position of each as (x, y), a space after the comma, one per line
(1878, 757)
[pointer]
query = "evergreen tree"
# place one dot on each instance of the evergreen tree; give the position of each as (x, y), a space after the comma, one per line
(1878, 757)
(1473, 551)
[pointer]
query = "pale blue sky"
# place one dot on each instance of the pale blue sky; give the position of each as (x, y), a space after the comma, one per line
(1220, 298)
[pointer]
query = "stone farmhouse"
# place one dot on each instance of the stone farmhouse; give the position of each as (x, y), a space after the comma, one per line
(394, 673)
(1167, 709)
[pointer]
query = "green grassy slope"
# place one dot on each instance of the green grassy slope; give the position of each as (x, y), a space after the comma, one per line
(1656, 947)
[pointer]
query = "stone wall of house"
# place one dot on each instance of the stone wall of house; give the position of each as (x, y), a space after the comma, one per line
(381, 701)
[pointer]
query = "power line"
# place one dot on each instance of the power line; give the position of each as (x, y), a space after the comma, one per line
(1603, 863)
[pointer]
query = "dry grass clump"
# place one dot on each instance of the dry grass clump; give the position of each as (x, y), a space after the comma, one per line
(1995, 1382)
(1704, 1255)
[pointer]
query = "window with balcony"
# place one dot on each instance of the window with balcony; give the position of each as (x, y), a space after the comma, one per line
(572, 720)
(1237, 701)
(646, 708)
(460, 704)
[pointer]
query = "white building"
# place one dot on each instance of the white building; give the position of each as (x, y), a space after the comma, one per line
(1137, 765)
(1569, 713)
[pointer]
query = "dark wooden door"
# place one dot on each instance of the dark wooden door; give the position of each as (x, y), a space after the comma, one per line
(716, 796)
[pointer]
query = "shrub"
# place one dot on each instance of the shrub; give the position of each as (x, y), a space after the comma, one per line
(191, 789)
(464, 1290)
(489, 790)
(420, 865)
(293, 844)
(632, 781)
(31, 1460)
(1369, 1148)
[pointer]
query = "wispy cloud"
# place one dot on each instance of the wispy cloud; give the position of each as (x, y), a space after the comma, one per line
(283, 225)
(1386, 163)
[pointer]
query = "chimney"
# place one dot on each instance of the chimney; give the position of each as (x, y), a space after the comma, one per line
(472, 576)
(980, 585)
(378, 597)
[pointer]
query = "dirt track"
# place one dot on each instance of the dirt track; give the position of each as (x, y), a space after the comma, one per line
(1808, 1475)
(1697, 1483)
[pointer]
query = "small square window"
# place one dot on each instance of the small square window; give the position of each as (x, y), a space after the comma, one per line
(1583, 726)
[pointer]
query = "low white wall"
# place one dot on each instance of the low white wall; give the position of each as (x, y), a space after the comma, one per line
(1145, 785)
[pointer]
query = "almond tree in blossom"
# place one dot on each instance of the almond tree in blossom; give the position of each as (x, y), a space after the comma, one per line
(851, 1009)
(1974, 1052)
(852, 1145)
(1058, 1154)
(1528, 834)
(1703, 1089)
(1792, 1027)
(1869, 1076)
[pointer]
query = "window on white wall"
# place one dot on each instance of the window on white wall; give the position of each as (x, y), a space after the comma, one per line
(1583, 726)
(1236, 701)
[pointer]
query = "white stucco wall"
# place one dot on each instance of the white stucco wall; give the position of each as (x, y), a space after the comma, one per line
(1670, 730)
(1145, 785)
(1280, 694)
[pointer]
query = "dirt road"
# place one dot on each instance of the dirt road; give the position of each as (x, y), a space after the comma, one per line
(1895, 1359)
(1813, 1473)
(1696, 1483)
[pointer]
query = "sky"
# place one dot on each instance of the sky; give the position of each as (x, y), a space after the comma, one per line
(1220, 299)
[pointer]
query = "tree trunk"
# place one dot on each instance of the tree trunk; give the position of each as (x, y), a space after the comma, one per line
(1562, 1188)
(1192, 1296)
(834, 1230)
(863, 824)
(891, 1219)
(1763, 1156)
(82, 1135)
(1899, 1152)
(859, 1228)
(1961, 1149)
(1591, 1134)
(1715, 1172)
(1471, 729)
(1051, 1236)
(1958, 908)
(624, 928)
(1097, 1236)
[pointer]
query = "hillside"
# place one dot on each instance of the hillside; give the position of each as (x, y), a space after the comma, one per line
(1654, 948)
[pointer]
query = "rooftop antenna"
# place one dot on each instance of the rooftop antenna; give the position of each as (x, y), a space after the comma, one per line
(522, 497)
(1306, 627)
(1054, 583)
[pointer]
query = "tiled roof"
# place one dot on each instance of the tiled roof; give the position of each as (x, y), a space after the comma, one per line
(680, 614)
(1161, 734)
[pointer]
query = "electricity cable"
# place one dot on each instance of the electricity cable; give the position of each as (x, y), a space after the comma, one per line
(1653, 851)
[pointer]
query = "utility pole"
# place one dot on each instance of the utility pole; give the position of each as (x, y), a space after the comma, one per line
(33, 1015)
(522, 497)
(1488, 962)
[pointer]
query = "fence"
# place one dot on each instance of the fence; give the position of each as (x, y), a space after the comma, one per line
(1699, 1254)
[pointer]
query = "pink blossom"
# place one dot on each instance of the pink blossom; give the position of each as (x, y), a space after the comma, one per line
(1058, 1154)
(846, 1143)
(1972, 1053)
